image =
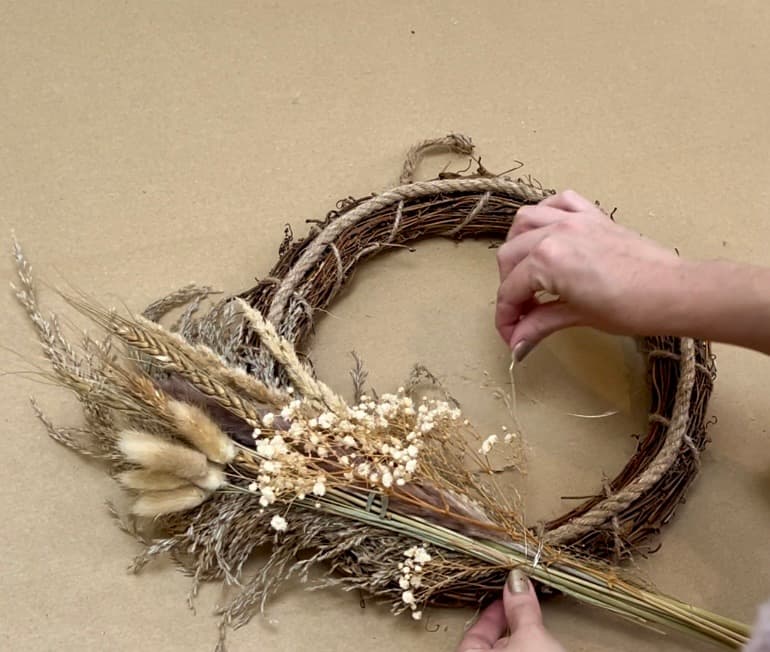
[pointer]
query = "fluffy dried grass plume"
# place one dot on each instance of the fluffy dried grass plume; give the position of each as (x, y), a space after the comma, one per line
(152, 504)
(154, 454)
(146, 480)
(194, 425)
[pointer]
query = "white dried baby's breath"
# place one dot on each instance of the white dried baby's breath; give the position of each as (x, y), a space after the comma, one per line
(319, 488)
(411, 576)
(265, 449)
(326, 420)
(267, 497)
(349, 441)
(487, 444)
(278, 523)
(378, 441)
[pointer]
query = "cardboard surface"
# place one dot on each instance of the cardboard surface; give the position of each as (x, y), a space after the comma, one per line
(145, 145)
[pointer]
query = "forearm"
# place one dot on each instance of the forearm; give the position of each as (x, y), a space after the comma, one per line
(722, 302)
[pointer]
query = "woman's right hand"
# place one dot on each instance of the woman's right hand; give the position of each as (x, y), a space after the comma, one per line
(603, 275)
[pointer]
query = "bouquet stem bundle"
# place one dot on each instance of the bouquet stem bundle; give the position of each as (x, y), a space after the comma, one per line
(569, 575)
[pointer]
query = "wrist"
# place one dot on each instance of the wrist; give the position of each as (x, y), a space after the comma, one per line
(671, 303)
(719, 301)
(691, 292)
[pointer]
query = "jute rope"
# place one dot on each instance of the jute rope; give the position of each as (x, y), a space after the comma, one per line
(327, 236)
(455, 143)
(675, 436)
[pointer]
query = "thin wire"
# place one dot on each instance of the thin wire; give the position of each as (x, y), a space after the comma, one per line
(514, 410)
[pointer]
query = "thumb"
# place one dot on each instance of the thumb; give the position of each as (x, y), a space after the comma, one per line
(539, 323)
(522, 609)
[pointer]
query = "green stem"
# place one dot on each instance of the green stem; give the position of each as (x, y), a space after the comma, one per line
(573, 579)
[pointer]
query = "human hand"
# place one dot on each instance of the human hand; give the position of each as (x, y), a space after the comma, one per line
(603, 275)
(517, 614)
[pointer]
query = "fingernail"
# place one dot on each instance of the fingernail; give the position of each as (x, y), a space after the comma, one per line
(517, 581)
(521, 350)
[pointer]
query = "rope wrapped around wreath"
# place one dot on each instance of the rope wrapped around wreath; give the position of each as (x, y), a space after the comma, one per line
(631, 509)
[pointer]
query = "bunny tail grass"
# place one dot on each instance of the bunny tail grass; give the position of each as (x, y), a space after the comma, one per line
(158, 503)
(146, 480)
(155, 454)
(200, 431)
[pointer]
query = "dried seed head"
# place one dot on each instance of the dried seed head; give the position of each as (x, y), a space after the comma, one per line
(156, 454)
(195, 427)
(157, 503)
(146, 480)
(214, 478)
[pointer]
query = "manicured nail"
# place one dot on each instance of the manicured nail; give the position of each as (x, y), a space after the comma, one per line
(517, 581)
(521, 350)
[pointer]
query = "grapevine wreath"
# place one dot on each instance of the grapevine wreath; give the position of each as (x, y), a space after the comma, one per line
(225, 441)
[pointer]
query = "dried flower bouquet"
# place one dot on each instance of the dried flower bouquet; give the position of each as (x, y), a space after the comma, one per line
(225, 442)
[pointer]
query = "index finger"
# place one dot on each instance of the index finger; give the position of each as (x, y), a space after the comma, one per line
(486, 631)
(569, 200)
(516, 291)
(535, 216)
